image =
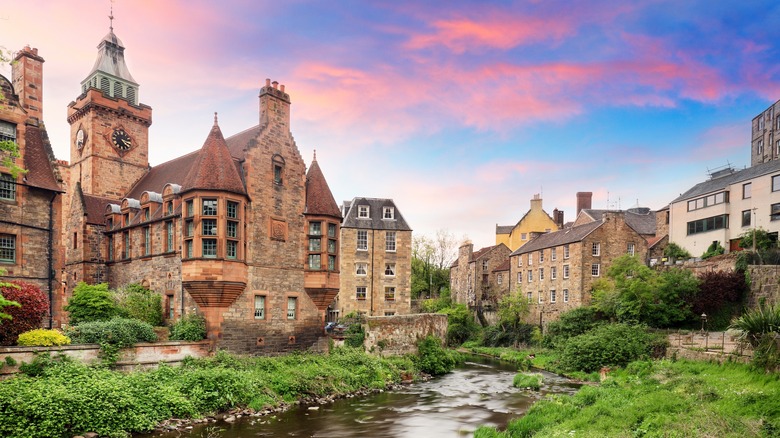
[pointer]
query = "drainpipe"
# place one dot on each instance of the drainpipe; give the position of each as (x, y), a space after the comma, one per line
(51, 259)
(373, 247)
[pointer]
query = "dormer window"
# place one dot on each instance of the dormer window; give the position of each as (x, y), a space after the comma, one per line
(363, 211)
(388, 213)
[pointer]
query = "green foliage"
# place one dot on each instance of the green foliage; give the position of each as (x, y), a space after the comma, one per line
(461, 325)
(91, 303)
(760, 328)
(713, 250)
(10, 361)
(675, 251)
(112, 335)
(528, 380)
(354, 336)
(608, 345)
(138, 302)
(434, 305)
(571, 323)
(764, 240)
(42, 338)
(190, 327)
(510, 330)
(33, 307)
(434, 359)
(720, 297)
(6, 303)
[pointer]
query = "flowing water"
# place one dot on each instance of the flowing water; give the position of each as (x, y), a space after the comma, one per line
(478, 393)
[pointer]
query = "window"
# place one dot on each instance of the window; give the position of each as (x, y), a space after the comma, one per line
(541, 256)
(127, 244)
(363, 211)
(188, 248)
(708, 224)
(314, 262)
(146, 214)
(775, 212)
(360, 268)
(362, 240)
(315, 228)
(760, 147)
(519, 277)
(566, 295)
(530, 275)
(552, 295)
(190, 208)
(277, 174)
(553, 273)
(209, 248)
(530, 296)
(553, 254)
(389, 293)
(746, 190)
(169, 307)
(259, 306)
(390, 269)
(110, 247)
(594, 269)
(209, 227)
(520, 261)
(565, 251)
(388, 213)
(708, 201)
(541, 274)
(169, 236)
(746, 218)
(169, 208)
(332, 230)
(360, 293)
(761, 122)
(595, 249)
(7, 187)
(315, 244)
(232, 229)
(389, 313)
(147, 241)
(630, 249)
(530, 259)
(390, 241)
(523, 236)
(232, 249)
(209, 207)
(7, 248)
(541, 297)
(7, 131)
(232, 210)
(189, 228)
(776, 183)
(565, 271)
(292, 307)
(331, 263)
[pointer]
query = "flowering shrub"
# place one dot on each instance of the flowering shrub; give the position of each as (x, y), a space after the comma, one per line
(34, 307)
(42, 338)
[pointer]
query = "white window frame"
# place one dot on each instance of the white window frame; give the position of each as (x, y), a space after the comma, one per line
(595, 270)
(553, 273)
(541, 274)
(541, 297)
(361, 267)
(363, 240)
(292, 308)
(358, 293)
(553, 254)
(530, 276)
(595, 249)
(565, 271)
(390, 242)
(553, 297)
(388, 213)
(390, 267)
(364, 212)
(499, 278)
(631, 249)
(541, 256)
(259, 306)
(565, 251)
(566, 295)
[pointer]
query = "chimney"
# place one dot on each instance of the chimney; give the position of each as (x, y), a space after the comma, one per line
(584, 201)
(274, 106)
(27, 77)
(558, 218)
(536, 202)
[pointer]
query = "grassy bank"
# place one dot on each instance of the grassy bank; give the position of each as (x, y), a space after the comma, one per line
(68, 398)
(660, 398)
(540, 358)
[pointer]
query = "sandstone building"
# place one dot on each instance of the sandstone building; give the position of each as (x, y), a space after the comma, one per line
(376, 254)
(765, 136)
(477, 278)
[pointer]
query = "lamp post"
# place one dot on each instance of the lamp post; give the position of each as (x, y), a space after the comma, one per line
(703, 321)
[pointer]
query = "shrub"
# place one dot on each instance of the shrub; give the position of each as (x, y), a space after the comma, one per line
(720, 297)
(42, 338)
(760, 329)
(34, 306)
(354, 336)
(121, 332)
(606, 346)
(528, 380)
(764, 240)
(572, 323)
(460, 324)
(675, 251)
(191, 327)
(713, 250)
(138, 302)
(433, 358)
(91, 303)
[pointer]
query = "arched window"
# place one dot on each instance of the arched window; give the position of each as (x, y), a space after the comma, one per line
(278, 169)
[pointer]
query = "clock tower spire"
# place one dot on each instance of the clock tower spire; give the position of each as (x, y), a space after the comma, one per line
(109, 127)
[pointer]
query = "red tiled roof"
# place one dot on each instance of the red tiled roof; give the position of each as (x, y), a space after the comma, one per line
(38, 157)
(238, 143)
(95, 208)
(482, 252)
(319, 198)
(173, 172)
(214, 168)
(503, 266)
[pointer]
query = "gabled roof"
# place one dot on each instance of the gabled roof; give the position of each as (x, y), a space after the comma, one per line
(238, 143)
(213, 168)
(503, 266)
(38, 159)
(504, 229)
(642, 220)
(725, 180)
(374, 221)
(94, 206)
(319, 198)
(556, 238)
(477, 255)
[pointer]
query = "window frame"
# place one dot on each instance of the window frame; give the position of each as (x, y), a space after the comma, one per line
(362, 237)
(364, 212)
(8, 247)
(595, 249)
(388, 213)
(358, 266)
(390, 267)
(260, 312)
(206, 207)
(8, 187)
(747, 218)
(390, 241)
(390, 293)
(361, 295)
(595, 270)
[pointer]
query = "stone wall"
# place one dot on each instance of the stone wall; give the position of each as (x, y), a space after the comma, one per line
(397, 335)
(724, 262)
(764, 285)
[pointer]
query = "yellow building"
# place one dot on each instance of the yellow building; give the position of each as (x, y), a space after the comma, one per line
(534, 222)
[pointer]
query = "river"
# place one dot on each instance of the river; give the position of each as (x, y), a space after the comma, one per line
(478, 393)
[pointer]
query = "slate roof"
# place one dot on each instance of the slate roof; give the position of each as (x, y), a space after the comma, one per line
(477, 255)
(38, 159)
(213, 168)
(94, 206)
(504, 229)
(556, 238)
(374, 221)
(172, 171)
(319, 198)
(503, 266)
(642, 220)
(721, 182)
(111, 58)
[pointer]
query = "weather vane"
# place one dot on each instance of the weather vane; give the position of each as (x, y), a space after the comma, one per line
(111, 16)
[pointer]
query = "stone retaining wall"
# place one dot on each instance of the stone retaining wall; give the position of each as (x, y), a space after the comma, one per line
(398, 334)
(764, 285)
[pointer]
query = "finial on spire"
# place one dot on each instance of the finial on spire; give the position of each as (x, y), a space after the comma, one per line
(215, 118)
(315, 155)
(111, 17)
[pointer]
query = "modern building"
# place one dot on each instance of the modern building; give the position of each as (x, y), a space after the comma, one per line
(472, 278)
(376, 260)
(535, 221)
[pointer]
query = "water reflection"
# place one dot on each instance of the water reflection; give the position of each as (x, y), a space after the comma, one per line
(479, 393)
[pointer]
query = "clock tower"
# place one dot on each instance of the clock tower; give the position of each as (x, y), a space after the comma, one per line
(109, 129)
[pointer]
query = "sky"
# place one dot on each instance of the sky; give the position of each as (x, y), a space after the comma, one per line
(460, 111)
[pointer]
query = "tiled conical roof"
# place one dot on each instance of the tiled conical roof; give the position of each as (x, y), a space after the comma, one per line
(319, 199)
(214, 169)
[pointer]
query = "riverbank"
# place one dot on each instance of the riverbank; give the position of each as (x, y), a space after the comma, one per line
(66, 398)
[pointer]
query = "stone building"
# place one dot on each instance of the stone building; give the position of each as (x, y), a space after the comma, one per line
(30, 203)
(765, 136)
(535, 221)
(376, 259)
(236, 230)
(472, 278)
(555, 270)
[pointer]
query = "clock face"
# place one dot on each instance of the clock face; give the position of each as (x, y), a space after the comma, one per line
(80, 139)
(121, 140)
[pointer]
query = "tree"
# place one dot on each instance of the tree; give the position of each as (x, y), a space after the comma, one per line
(431, 260)
(91, 303)
(9, 150)
(763, 239)
(675, 251)
(33, 307)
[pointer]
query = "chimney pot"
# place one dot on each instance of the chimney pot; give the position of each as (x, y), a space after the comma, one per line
(267, 82)
(275, 84)
(281, 87)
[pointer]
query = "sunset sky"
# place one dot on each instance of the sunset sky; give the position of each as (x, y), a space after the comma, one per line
(458, 110)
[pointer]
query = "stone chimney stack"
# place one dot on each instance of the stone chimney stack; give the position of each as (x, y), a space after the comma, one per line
(558, 218)
(274, 106)
(27, 78)
(584, 200)
(536, 202)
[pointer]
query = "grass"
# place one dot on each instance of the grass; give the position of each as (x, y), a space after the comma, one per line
(528, 380)
(660, 399)
(531, 357)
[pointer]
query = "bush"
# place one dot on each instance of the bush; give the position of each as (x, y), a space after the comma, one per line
(34, 306)
(572, 323)
(675, 251)
(612, 345)
(720, 297)
(121, 332)
(760, 328)
(524, 380)
(433, 358)
(460, 324)
(191, 327)
(138, 302)
(713, 250)
(42, 338)
(91, 303)
(354, 336)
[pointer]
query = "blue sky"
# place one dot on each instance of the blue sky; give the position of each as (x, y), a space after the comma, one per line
(461, 111)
